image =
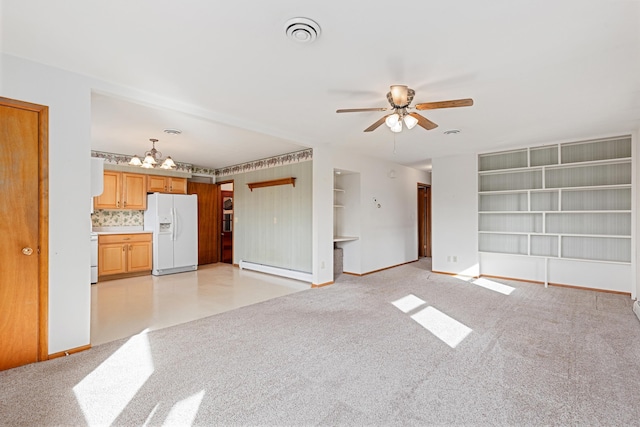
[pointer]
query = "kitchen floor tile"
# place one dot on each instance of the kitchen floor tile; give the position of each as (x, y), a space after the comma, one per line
(124, 307)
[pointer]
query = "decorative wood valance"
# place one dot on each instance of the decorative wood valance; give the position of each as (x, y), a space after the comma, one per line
(282, 181)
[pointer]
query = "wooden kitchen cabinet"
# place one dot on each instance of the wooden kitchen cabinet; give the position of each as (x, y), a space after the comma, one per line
(122, 191)
(166, 184)
(124, 255)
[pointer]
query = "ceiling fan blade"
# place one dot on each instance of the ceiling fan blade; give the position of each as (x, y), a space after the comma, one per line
(445, 104)
(357, 110)
(376, 124)
(423, 121)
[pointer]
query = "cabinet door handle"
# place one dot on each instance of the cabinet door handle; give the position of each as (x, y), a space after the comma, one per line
(125, 204)
(118, 204)
(124, 247)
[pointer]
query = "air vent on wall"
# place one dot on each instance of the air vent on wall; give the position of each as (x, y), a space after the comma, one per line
(302, 30)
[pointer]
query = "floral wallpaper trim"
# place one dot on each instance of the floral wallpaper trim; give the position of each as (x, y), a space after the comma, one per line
(109, 218)
(284, 159)
(270, 162)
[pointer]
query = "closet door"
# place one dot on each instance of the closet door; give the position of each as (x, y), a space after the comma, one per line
(24, 230)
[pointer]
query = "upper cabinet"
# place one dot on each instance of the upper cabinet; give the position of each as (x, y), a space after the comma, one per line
(123, 191)
(166, 184)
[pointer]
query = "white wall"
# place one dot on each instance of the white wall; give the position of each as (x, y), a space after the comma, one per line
(389, 233)
(454, 207)
(322, 216)
(68, 97)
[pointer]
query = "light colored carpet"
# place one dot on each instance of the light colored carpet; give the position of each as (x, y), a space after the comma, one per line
(400, 347)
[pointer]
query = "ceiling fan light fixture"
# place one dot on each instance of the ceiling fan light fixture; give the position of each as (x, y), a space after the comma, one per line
(392, 120)
(397, 127)
(410, 121)
(400, 95)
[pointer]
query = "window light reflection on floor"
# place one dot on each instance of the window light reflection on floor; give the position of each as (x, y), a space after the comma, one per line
(408, 303)
(442, 326)
(108, 389)
(184, 412)
(493, 286)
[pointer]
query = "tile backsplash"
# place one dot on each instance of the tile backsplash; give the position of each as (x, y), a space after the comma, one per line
(122, 218)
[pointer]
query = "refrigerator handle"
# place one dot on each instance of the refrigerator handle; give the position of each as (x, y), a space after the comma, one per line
(175, 224)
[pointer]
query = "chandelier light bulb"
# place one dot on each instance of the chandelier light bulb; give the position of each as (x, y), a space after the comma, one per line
(397, 127)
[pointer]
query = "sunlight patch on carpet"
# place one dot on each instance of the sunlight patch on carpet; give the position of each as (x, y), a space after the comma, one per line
(494, 286)
(184, 413)
(108, 389)
(446, 328)
(408, 303)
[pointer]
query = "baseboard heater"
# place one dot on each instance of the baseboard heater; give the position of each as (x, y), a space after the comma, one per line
(276, 271)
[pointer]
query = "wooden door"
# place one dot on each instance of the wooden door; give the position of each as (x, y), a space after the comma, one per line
(110, 197)
(24, 231)
(134, 187)
(424, 221)
(208, 221)
(226, 234)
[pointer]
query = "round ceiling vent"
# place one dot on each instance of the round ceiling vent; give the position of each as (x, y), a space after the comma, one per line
(302, 30)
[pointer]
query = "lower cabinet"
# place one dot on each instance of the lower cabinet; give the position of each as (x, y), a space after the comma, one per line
(123, 255)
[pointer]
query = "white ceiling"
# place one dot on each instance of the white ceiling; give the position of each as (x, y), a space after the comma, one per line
(538, 71)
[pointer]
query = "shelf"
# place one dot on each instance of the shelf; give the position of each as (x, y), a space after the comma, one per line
(573, 201)
(338, 206)
(338, 190)
(344, 238)
(273, 182)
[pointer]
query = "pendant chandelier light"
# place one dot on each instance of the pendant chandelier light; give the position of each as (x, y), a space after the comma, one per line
(152, 158)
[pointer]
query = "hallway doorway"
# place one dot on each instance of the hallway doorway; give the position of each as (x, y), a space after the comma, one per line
(226, 236)
(424, 220)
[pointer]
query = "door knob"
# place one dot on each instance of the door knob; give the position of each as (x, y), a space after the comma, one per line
(27, 251)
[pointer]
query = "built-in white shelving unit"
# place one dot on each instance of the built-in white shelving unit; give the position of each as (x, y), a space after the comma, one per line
(565, 201)
(340, 233)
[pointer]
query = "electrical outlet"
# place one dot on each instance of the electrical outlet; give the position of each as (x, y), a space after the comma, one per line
(455, 258)
(275, 220)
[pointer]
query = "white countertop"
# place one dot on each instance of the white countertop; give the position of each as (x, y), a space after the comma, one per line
(120, 230)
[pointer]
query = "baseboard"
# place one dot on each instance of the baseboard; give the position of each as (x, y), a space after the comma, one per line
(636, 308)
(69, 352)
(313, 285)
(560, 285)
(276, 271)
(448, 273)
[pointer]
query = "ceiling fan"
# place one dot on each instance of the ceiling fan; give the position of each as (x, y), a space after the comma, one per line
(400, 98)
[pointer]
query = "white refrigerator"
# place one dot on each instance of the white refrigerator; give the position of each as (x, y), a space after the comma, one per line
(173, 218)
